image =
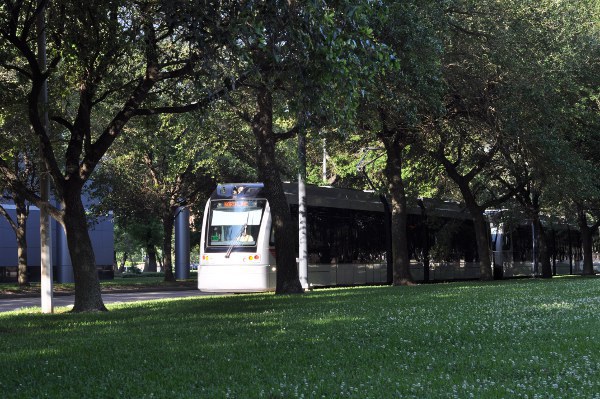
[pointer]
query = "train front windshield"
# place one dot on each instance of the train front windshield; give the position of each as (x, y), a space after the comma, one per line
(234, 222)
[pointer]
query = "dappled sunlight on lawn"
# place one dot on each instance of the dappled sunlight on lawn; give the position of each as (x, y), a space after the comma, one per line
(505, 339)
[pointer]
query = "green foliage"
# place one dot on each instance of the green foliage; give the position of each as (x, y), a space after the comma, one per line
(131, 272)
(544, 96)
(396, 76)
(164, 162)
(466, 76)
(507, 339)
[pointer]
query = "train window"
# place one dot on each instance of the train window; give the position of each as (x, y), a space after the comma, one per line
(369, 237)
(341, 236)
(522, 244)
(8, 274)
(453, 240)
(272, 237)
(345, 236)
(235, 222)
(506, 244)
(319, 235)
(417, 240)
(294, 215)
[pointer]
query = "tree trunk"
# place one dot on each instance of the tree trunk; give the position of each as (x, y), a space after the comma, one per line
(587, 242)
(479, 222)
(168, 222)
(542, 245)
(123, 261)
(393, 174)
(21, 233)
(425, 238)
(288, 280)
(151, 264)
(88, 297)
(483, 247)
(160, 262)
(481, 229)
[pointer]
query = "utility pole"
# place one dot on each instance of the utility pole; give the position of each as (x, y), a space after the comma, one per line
(302, 230)
(324, 171)
(45, 229)
(534, 270)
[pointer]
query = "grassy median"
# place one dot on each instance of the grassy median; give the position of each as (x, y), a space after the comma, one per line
(522, 339)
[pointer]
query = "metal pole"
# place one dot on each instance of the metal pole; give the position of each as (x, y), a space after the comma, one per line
(45, 228)
(425, 238)
(553, 251)
(533, 249)
(302, 230)
(570, 252)
(182, 244)
(324, 175)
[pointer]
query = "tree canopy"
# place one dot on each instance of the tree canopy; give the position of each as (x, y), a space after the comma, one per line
(476, 101)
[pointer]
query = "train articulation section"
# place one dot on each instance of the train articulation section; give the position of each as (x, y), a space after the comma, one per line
(349, 241)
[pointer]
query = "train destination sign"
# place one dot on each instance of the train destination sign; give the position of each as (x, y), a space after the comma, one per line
(238, 204)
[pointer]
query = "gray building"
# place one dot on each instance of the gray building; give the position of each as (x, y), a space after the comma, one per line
(101, 234)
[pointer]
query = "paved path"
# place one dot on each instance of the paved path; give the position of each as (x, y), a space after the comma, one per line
(7, 305)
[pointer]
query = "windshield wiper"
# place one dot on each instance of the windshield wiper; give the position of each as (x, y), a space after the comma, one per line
(236, 241)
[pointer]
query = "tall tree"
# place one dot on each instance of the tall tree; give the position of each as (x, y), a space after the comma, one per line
(405, 89)
(25, 169)
(289, 49)
(17, 149)
(107, 59)
(582, 48)
(468, 140)
(552, 112)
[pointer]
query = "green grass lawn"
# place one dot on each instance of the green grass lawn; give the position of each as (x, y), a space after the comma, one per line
(510, 339)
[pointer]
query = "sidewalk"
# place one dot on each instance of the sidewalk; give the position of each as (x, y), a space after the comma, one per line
(16, 302)
(34, 293)
(107, 287)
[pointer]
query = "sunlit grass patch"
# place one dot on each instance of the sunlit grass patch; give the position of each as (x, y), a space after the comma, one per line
(523, 338)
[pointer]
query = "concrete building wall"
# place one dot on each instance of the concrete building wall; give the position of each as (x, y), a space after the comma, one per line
(101, 235)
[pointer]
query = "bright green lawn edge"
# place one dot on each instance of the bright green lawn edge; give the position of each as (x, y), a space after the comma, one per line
(525, 338)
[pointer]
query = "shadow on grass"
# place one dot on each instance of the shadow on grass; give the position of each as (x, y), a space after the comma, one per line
(421, 341)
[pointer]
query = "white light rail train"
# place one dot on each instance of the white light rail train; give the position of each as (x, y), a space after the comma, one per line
(349, 241)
